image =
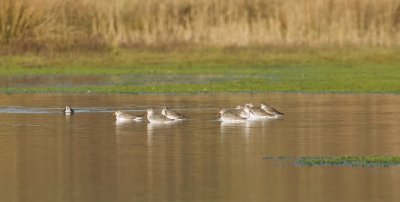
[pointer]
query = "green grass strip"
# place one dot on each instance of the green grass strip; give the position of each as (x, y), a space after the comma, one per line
(243, 70)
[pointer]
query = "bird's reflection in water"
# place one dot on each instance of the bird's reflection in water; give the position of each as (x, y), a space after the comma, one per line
(160, 128)
(125, 122)
(67, 118)
(155, 129)
(122, 126)
(231, 128)
(128, 127)
(247, 128)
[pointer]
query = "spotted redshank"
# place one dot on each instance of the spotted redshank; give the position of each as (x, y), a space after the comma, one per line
(257, 113)
(124, 116)
(157, 118)
(68, 110)
(171, 114)
(230, 116)
(270, 110)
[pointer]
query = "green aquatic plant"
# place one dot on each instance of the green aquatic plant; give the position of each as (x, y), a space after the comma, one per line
(363, 161)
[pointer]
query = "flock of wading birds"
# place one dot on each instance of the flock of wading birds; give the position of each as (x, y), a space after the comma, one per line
(238, 114)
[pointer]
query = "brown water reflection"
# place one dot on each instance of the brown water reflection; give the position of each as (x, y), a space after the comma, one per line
(45, 156)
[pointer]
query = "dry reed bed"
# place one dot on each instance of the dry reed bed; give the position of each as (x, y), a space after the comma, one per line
(92, 23)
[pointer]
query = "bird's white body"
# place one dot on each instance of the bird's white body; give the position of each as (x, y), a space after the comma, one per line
(68, 110)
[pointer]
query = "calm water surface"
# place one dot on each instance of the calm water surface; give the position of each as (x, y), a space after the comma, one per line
(46, 156)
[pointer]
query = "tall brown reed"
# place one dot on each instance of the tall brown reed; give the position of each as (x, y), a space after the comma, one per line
(68, 23)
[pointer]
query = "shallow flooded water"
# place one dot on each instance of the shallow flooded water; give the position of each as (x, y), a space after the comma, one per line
(47, 156)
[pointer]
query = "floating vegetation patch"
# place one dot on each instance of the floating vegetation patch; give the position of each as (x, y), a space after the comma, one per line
(353, 161)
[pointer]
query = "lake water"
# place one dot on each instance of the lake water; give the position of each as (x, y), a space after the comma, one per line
(48, 157)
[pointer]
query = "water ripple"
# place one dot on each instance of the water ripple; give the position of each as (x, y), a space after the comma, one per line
(34, 110)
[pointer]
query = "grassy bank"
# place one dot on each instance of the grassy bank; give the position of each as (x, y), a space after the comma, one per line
(203, 70)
